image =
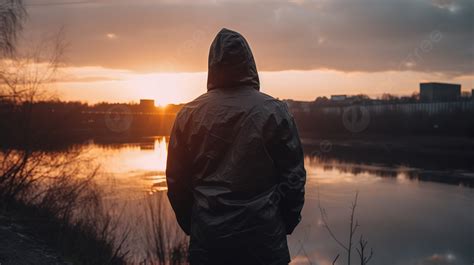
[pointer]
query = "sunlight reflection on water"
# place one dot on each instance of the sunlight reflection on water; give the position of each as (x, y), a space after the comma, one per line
(133, 168)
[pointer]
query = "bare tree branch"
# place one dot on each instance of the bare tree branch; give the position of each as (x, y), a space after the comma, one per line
(353, 227)
(326, 224)
(27, 76)
(12, 14)
(361, 251)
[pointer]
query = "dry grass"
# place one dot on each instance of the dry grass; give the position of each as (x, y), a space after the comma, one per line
(166, 243)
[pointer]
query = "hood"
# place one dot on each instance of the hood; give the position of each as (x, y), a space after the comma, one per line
(231, 63)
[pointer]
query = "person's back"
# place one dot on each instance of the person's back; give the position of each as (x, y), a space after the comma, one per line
(235, 168)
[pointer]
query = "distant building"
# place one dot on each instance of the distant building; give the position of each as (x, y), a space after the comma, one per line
(147, 104)
(338, 97)
(435, 92)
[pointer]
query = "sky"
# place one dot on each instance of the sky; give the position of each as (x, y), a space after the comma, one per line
(124, 50)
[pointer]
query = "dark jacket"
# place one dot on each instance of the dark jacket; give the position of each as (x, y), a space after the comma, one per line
(235, 167)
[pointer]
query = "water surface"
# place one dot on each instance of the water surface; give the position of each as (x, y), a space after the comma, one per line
(406, 220)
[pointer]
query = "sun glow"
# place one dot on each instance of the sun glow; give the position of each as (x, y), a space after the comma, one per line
(164, 88)
(96, 84)
(125, 86)
(161, 153)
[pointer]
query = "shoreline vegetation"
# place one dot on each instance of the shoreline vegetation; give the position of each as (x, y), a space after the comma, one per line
(49, 240)
(55, 199)
(433, 152)
(65, 122)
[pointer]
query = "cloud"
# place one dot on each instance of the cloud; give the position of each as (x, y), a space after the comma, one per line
(362, 35)
(446, 4)
(111, 36)
(88, 79)
(438, 259)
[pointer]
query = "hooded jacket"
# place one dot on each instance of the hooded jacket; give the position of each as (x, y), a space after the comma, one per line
(235, 169)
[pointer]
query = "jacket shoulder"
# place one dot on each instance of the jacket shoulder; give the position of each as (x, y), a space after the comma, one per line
(192, 105)
(274, 105)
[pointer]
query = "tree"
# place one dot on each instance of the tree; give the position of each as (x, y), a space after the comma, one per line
(27, 76)
(24, 79)
(353, 226)
(12, 15)
(389, 97)
(58, 189)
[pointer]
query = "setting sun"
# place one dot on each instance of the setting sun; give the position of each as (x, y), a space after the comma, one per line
(126, 86)
(164, 88)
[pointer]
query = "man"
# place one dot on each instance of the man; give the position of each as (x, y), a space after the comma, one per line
(235, 167)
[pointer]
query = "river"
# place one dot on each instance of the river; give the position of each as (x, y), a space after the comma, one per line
(407, 217)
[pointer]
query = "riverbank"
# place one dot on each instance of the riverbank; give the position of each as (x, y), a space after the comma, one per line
(34, 235)
(19, 247)
(432, 152)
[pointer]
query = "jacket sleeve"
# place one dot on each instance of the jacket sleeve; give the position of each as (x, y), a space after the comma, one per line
(287, 154)
(177, 177)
